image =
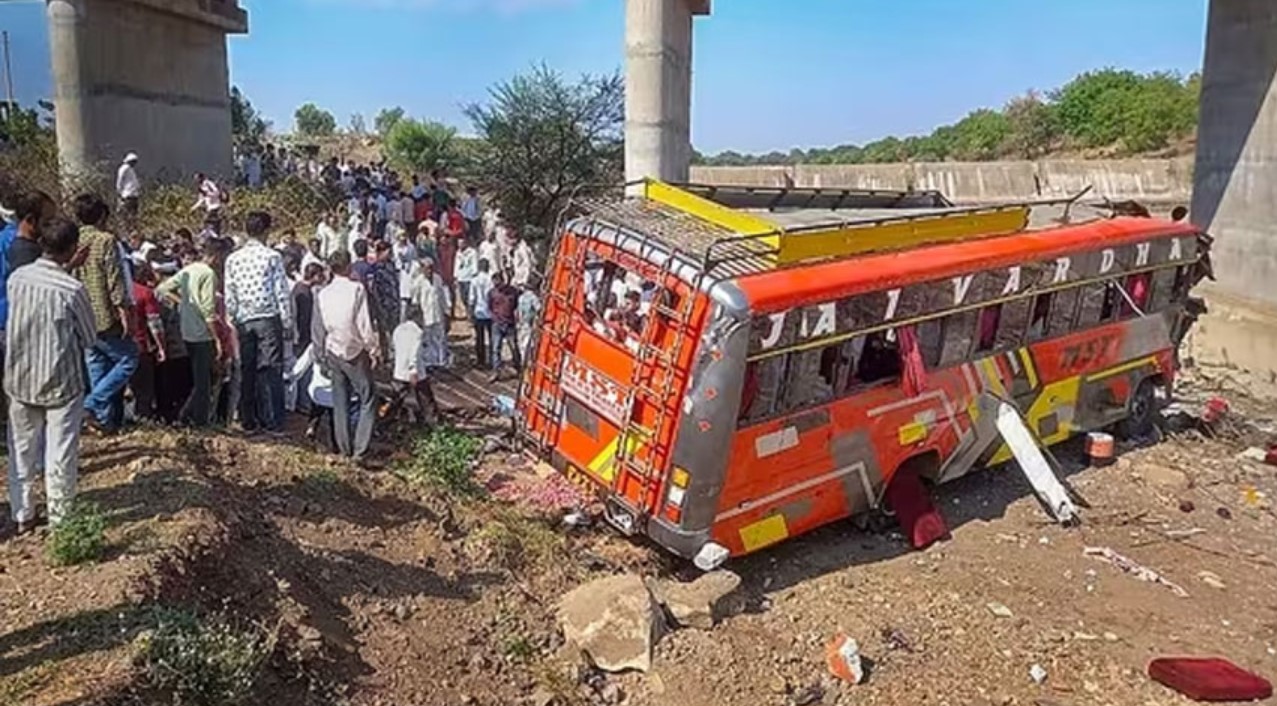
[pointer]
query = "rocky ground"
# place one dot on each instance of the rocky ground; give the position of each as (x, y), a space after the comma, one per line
(376, 589)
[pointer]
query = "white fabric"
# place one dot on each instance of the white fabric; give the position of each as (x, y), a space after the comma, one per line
(127, 185)
(432, 296)
(406, 264)
(210, 196)
(409, 355)
(330, 239)
(467, 265)
(60, 429)
(343, 310)
(480, 288)
(489, 251)
(522, 264)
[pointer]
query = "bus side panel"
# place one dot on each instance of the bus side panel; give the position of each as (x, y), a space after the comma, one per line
(793, 474)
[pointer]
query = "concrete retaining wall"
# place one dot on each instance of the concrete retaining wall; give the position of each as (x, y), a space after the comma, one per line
(1158, 181)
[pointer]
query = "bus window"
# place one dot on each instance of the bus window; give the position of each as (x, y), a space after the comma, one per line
(1064, 305)
(987, 328)
(1040, 316)
(1094, 306)
(1163, 289)
(1136, 287)
(959, 330)
(762, 388)
(849, 355)
(805, 381)
(930, 341)
(879, 361)
(1012, 324)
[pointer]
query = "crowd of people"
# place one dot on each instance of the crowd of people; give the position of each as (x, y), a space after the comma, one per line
(105, 325)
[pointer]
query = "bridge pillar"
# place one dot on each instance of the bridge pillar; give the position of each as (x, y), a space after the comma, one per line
(658, 87)
(1235, 180)
(145, 76)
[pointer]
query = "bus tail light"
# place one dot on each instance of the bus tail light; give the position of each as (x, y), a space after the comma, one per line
(677, 493)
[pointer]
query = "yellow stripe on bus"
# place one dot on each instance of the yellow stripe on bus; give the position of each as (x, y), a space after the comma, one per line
(604, 464)
(995, 376)
(1133, 365)
(1029, 369)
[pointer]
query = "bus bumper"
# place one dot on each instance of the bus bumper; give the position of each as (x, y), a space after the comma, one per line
(685, 543)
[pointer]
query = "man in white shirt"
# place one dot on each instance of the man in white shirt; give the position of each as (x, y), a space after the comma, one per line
(411, 379)
(128, 186)
(431, 294)
(488, 250)
(520, 261)
(480, 313)
(330, 237)
(347, 349)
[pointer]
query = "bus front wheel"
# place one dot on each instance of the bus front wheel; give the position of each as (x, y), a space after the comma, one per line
(1141, 411)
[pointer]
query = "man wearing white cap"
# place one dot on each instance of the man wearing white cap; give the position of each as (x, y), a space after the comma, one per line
(128, 186)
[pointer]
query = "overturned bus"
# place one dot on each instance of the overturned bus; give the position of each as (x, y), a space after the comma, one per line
(729, 367)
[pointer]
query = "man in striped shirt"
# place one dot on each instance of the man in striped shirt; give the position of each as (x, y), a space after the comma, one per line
(51, 326)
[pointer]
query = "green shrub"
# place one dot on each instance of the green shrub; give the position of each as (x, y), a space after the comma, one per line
(444, 457)
(80, 537)
(205, 661)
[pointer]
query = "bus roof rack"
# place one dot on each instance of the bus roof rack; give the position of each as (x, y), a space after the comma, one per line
(728, 231)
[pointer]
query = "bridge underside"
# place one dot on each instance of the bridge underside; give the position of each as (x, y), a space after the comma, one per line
(145, 76)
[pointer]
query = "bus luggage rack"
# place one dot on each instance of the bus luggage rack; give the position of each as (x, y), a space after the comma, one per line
(711, 248)
(726, 231)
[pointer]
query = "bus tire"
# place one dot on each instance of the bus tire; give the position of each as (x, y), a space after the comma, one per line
(1141, 411)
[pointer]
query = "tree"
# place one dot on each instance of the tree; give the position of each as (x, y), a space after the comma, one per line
(386, 119)
(22, 127)
(312, 121)
(247, 125)
(982, 135)
(1034, 129)
(421, 145)
(545, 139)
(357, 126)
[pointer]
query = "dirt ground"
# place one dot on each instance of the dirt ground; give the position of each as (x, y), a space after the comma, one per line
(386, 592)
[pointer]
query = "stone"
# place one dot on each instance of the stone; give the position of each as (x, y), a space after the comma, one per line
(613, 620)
(842, 656)
(999, 610)
(698, 604)
(1211, 579)
(1163, 476)
(1037, 673)
(542, 697)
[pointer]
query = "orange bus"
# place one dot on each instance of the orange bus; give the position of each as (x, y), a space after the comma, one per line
(728, 367)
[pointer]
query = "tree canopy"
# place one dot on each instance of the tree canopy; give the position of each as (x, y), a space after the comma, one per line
(421, 145)
(247, 125)
(1112, 111)
(386, 119)
(544, 138)
(313, 121)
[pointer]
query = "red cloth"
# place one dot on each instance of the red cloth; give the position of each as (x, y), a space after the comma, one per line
(144, 305)
(919, 519)
(1209, 679)
(913, 372)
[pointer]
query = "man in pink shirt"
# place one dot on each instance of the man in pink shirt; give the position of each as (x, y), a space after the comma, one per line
(347, 349)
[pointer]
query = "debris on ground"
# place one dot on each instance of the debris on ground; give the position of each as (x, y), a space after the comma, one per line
(842, 655)
(1037, 673)
(699, 604)
(614, 621)
(1134, 568)
(1209, 679)
(999, 610)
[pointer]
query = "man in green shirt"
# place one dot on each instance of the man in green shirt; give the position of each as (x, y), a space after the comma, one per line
(194, 291)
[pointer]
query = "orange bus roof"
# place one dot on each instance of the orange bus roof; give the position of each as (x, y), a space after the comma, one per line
(777, 290)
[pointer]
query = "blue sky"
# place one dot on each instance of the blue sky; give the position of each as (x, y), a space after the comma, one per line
(768, 75)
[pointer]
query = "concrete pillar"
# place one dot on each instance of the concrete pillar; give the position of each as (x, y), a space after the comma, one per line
(145, 76)
(1235, 178)
(658, 87)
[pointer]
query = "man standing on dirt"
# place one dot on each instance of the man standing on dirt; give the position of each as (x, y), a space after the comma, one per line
(259, 303)
(44, 377)
(111, 359)
(347, 349)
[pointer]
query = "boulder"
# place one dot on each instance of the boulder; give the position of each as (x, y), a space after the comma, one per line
(614, 621)
(698, 604)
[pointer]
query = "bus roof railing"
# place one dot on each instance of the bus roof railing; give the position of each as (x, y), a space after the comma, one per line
(730, 231)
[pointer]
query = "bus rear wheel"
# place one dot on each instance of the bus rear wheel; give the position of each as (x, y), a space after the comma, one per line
(1141, 411)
